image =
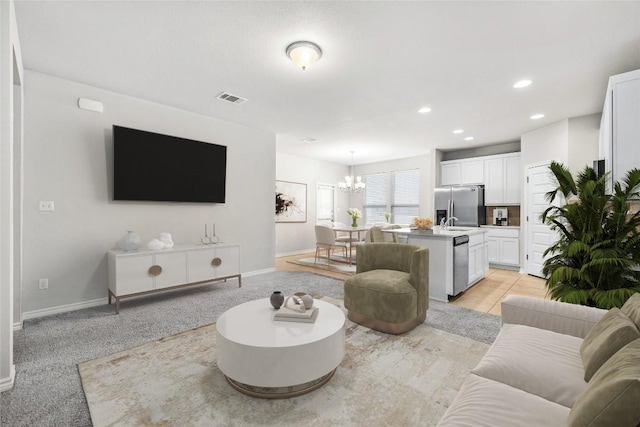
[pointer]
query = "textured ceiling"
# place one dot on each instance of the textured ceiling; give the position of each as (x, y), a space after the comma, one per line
(381, 62)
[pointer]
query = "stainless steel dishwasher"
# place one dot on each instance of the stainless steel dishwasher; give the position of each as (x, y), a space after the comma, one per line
(460, 264)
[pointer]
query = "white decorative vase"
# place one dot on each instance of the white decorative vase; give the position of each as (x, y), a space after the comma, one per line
(155, 245)
(129, 242)
(166, 239)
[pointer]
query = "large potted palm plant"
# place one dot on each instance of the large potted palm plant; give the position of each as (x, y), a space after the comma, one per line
(596, 260)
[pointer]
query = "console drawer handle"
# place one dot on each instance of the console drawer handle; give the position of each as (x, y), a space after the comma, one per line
(216, 262)
(155, 270)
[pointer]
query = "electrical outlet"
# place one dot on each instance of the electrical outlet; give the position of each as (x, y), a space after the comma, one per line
(43, 283)
(47, 205)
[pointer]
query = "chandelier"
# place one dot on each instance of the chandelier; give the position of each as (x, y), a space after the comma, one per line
(352, 184)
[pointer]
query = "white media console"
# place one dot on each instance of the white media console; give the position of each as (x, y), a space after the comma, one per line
(142, 272)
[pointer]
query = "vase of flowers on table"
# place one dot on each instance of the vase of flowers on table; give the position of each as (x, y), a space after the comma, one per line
(354, 213)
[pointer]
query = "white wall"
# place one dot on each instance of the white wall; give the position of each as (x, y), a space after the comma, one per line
(428, 172)
(298, 237)
(547, 143)
(584, 135)
(68, 159)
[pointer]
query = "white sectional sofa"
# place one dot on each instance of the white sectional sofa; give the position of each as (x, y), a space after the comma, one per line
(533, 374)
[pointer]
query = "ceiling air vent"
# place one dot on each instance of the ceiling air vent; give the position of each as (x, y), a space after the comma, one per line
(234, 99)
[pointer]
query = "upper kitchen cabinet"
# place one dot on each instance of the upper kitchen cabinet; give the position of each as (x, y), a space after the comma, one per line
(462, 172)
(500, 174)
(502, 180)
(620, 125)
(450, 173)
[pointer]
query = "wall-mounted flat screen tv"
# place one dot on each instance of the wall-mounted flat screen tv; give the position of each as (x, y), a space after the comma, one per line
(155, 167)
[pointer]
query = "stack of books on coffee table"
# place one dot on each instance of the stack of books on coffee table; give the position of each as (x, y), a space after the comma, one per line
(286, 314)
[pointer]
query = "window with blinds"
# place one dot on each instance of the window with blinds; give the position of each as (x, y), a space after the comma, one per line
(405, 196)
(376, 197)
(395, 192)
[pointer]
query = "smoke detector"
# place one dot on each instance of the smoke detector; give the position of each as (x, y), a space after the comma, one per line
(234, 99)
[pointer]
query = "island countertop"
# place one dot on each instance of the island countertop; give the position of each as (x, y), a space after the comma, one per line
(438, 232)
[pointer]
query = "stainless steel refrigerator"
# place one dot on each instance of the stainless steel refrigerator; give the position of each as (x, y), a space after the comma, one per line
(465, 202)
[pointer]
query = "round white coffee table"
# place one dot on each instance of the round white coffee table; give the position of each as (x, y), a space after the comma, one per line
(268, 358)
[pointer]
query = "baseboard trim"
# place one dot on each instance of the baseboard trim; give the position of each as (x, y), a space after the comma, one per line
(64, 308)
(259, 272)
(17, 326)
(505, 267)
(7, 383)
(300, 252)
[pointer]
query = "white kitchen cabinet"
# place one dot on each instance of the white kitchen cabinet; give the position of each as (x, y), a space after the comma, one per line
(503, 246)
(500, 174)
(472, 172)
(145, 271)
(450, 173)
(620, 125)
(511, 192)
(477, 257)
(462, 172)
(502, 180)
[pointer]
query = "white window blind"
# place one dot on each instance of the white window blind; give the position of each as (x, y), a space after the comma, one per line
(395, 192)
(376, 197)
(405, 204)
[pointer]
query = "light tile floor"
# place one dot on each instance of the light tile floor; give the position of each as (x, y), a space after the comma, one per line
(486, 295)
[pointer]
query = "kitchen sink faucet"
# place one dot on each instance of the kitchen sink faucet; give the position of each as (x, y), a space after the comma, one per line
(444, 223)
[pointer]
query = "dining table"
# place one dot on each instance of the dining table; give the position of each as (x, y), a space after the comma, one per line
(351, 231)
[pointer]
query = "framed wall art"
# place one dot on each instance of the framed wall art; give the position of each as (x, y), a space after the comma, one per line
(291, 201)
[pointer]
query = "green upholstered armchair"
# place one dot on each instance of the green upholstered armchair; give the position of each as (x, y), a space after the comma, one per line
(390, 290)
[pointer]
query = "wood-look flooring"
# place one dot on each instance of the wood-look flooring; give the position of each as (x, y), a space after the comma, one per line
(486, 295)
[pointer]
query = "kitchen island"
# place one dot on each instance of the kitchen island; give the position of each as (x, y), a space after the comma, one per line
(443, 268)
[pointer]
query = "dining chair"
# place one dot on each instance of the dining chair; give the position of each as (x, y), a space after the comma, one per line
(326, 239)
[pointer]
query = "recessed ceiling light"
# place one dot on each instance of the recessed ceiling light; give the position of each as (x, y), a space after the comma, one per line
(469, 138)
(537, 116)
(522, 83)
(424, 110)
(458, 131)
(308, 140)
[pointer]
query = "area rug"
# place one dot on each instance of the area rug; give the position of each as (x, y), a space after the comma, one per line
(338, 264)
(383, 380)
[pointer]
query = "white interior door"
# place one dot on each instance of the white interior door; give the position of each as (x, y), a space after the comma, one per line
(325, 203)
(539, 236)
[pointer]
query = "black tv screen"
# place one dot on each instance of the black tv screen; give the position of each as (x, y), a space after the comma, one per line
(155, 167)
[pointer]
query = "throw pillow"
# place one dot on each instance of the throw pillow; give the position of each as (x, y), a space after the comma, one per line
(632, 308)
(610, 334)
(611, 397)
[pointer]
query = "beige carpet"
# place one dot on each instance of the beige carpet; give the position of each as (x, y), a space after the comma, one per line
(338, 263)
(384, 380)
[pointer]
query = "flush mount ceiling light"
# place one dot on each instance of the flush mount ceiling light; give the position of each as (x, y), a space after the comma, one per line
(424, 110)
(304, 53)
(469, 138)
(458, 131)
(536, 116)
(308, 140)
(352, 184)
(522, 83)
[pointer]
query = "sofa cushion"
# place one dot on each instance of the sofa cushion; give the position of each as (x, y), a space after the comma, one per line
(610, 334)
(484, 402)
(632, 308)
(537, 361)
(613, 394)
(385, 295)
